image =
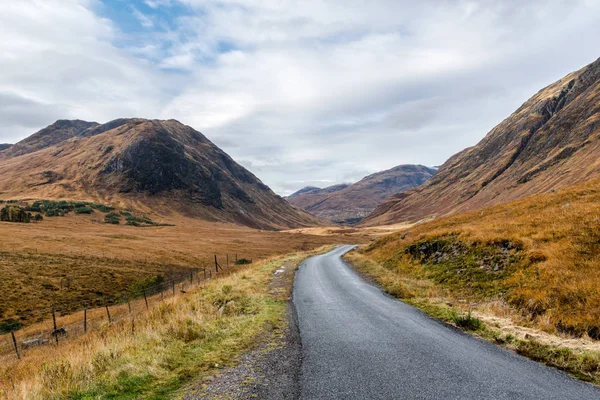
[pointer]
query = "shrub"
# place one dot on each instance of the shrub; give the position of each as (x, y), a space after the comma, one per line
(136, 288)
(139, 221)
(14, 214)
(243, 261)
(112, 218)
(102, 207)
(84, 210)
(9, 325)
(467, 321)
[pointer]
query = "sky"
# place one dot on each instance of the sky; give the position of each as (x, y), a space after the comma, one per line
(309, 93)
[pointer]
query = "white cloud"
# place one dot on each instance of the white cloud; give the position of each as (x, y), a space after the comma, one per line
(143, 19)
(318, 91)
(58, 56)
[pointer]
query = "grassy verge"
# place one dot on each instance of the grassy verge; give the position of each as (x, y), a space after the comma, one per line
(185, 338)
(431, 298)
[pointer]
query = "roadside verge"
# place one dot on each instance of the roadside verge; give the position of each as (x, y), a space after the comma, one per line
(580, 358)
(181, 342)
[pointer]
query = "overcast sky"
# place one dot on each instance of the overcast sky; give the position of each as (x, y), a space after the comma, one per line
(300, 92)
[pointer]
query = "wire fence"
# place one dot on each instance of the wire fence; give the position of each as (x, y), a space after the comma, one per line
(58, 327)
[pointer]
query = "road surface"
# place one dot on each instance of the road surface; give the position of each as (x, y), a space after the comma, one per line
(358, 343)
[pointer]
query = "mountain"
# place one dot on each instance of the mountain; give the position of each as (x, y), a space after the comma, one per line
(4, 146)
(59, 131)
(551, 141)
(163, 166)
(347, 203)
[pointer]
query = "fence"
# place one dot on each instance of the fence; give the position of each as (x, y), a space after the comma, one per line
(59, 327)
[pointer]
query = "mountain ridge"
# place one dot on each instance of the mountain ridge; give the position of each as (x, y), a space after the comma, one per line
(348, 203)
(549, 142)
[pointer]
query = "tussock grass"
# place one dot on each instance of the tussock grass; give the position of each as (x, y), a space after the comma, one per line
(184, 338)
(79, 261)
(539, 255)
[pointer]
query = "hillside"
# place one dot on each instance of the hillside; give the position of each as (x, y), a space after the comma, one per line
(349, 203)
(550, 142)
(534, 259)
(157, 166)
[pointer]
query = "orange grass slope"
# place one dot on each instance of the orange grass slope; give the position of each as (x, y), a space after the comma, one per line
(539, 256)
(100, 261)
(552, 141)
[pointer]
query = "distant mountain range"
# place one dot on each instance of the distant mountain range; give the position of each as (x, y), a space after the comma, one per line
(550, 142)
(164, 166)
(349, 203)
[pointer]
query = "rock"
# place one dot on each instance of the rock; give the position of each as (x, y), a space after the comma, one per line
(404, 235)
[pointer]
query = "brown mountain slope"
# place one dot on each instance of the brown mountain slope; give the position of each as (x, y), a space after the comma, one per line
(311, 195)
(550, 142)
(349, 203)
(57, 132)
(163, 166)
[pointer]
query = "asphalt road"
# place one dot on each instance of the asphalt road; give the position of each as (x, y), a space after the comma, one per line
(358, 343)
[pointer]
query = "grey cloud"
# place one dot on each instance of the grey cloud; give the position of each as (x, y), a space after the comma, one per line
(313, 95)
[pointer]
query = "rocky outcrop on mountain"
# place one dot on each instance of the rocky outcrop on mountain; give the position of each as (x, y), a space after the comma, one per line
(349, 203)
(165, 165)
(551, 141)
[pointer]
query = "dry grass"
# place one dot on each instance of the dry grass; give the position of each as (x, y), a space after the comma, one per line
(77, 260)
(184, 338)
(549, 280)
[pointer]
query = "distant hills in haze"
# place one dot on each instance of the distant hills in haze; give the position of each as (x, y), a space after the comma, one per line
(349, 203)
(164, 166)
(550, 142)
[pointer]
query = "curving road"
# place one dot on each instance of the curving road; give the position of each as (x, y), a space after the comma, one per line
(358, 343)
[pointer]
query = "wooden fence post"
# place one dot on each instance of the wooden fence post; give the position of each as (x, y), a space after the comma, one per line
(12, 333)
(146, 300)
(85, 320)
(191, 277)
(173, 284)
(54, 323)
(108, 314)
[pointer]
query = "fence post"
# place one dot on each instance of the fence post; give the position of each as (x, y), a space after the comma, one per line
(85, 320)
(108, 313)
(173, 284)
(132, 325)
(129, 306)
(191, 277)
(204, 270)
(12, 333)
(54, 323)
(146, 300)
